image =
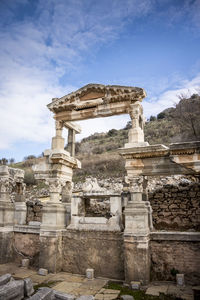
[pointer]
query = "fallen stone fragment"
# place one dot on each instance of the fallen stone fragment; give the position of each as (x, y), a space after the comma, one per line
(42, 272)
(180, 279)
(28, 287)
(43, 294)
(127, 297)
(89, 297)
(5, 279)
(90, 274)
(25, 263)
(63, 296)
(135, 285)
(13, 290)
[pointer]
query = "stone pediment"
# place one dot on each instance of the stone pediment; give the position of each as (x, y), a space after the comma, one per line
(95, 100)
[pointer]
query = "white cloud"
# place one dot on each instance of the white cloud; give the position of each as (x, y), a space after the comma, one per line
(170, 97)
(37, 50)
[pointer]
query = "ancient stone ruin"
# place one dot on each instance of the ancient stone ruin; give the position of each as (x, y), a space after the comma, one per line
(108, 231)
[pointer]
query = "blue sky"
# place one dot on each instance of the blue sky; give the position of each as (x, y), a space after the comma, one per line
(49, 48)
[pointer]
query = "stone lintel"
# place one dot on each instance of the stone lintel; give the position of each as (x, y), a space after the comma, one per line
(73, 126)
(175, 236)
(51, 232)
(27, 229)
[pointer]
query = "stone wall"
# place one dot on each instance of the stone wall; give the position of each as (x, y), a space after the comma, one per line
(176, 207)
(101, 251)
(34, 211)
(27, 245)
(6, 246)
(170, 257)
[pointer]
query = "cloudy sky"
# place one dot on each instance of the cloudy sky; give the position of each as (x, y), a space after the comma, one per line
(49, 48)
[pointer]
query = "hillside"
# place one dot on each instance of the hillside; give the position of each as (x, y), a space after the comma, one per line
(98, 152)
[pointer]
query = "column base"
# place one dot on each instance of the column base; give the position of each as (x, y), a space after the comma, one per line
(137, 259)
(51, 250)
(6, 244)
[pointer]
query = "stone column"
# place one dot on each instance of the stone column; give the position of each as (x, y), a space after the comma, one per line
(71, 141)
(6, 217)
(136, 133)
(6, 206)
(20, 204)
(58, 142)
(136, 234)
(53, 223)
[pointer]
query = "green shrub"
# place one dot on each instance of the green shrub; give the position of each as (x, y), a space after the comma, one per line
(29, 178)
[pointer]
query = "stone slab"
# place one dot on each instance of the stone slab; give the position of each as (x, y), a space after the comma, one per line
(127, 297)
(156, 290)
(22, 273)
(8, 268)
(43, 294)
(12, 290)
(5, 279)
(63, 296)
(67, 287)
(42, 272)
(28, 287)
(84, 297)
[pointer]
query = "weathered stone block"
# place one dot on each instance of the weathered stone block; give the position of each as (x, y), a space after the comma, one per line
(28, 287)
(43, 294)
(127, 297)
(90, 274)
(63, 296)
(135, 285)
(25, 263)
(12, 290)
(89, 297)
(42, 272)
(5, 279)
(180, 279)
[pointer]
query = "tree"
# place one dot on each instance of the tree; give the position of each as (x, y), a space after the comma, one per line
(161, 116)
(11, 160)
(187, 114)
(4, 161)
(152, 118)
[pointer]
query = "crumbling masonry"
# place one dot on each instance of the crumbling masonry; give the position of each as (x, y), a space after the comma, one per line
(120, 245)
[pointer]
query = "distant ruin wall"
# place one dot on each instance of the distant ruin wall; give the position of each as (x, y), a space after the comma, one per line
(169, 257)
(176, 207)
(34, 211)
(100, 250)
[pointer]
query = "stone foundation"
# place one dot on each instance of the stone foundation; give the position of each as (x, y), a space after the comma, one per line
(101, 251)
(6, 245)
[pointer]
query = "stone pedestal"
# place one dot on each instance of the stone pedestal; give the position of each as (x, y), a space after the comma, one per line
(53, 216)
(51, 250)
(6, 244)
(136, 259)
(53, 222)
(20, 213)
(6, 213)
(136, 240)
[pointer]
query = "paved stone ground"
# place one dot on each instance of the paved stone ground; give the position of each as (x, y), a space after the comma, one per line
(168, 288)
(64, 282)
(79, 285)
